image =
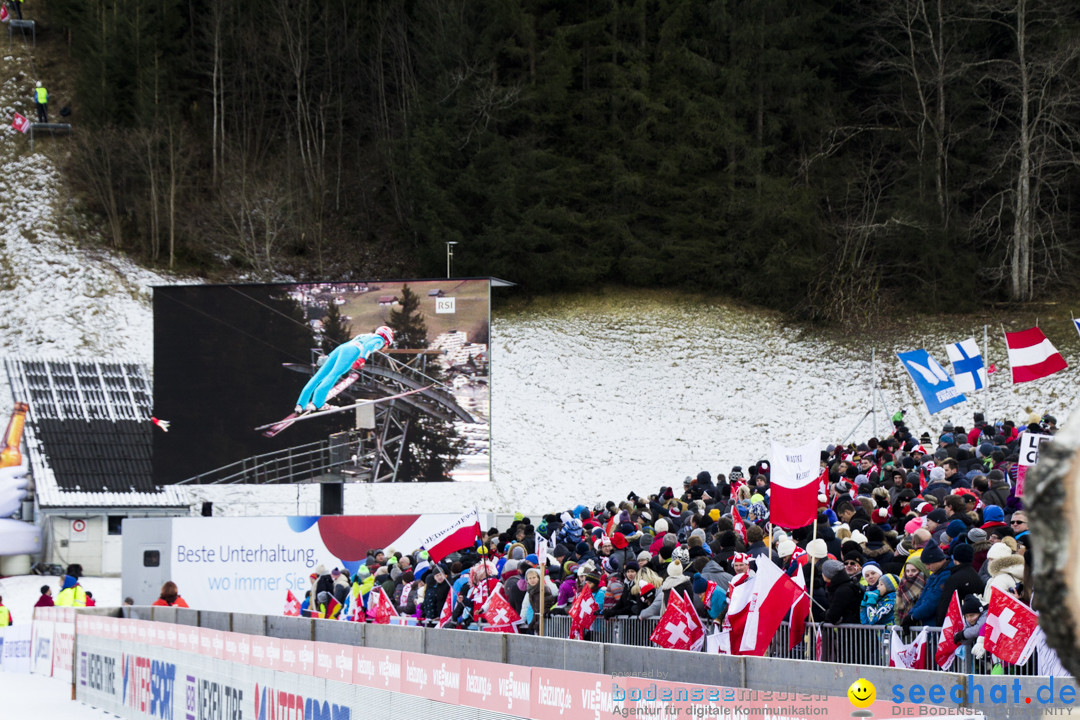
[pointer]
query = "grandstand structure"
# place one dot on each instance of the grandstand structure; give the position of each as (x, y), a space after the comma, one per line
(88, 445)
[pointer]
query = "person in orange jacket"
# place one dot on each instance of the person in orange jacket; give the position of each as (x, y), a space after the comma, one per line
(170, 596)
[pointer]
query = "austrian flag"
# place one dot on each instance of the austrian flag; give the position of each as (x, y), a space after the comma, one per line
(1032, 355)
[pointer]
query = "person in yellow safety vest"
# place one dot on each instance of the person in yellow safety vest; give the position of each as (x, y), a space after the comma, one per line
(71, 594)
(5, 615)
(41, 99)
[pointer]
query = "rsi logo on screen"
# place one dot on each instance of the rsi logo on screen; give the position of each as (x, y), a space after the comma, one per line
(273, 704)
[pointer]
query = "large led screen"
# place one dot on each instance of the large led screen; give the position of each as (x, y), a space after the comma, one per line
(230, 360)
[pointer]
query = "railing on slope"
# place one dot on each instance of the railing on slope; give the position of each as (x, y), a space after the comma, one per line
(295, 464)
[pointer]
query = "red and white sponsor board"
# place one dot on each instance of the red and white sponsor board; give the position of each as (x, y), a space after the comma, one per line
(431, 676)
(377, 668)
(334, 662)
(495, 686)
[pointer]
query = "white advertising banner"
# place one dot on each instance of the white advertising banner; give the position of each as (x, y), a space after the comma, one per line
(250, 564)
(15, 648)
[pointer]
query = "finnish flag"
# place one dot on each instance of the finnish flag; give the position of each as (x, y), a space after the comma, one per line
(969, 372)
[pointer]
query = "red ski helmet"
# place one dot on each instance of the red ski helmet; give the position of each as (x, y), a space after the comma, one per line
(386, 334)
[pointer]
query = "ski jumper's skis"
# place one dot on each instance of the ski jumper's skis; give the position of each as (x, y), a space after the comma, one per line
(274, 428)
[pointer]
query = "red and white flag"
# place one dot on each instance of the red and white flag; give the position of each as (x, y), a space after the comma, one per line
(458, 535)
(1011, 626)
(1032, 355)
(794, 480)
(954, 623)
(20, 123)
(693, 621)
(448, 609)
(740, 526)
(674, 631)
(4, 13)
(913, 656)
(292, 605)
(499, 613)
(773, 597)
(583, 611)
(740, 591)
(384, 609)
(800, 611)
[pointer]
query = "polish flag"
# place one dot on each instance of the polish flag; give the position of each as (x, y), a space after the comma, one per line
(447, 610)
(773, 597)
(458, 535)
(20, 123)
(1032, 356)
(800, 610)
(740, 526)
(954, 623)
(740, 591)
(582, 613)
(913, 656)
(292, 605)
(1011, 626)
(794, 482)
(384, 609)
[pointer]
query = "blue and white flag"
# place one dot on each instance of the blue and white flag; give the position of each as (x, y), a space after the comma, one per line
(969, 372)
(1077, 324)
(937, 388)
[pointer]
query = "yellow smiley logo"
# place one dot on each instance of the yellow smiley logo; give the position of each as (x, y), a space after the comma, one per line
(862, 693)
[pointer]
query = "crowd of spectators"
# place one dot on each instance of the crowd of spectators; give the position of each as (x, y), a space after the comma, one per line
(903, 522)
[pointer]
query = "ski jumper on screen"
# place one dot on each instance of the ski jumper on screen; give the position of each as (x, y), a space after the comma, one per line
(350, 355)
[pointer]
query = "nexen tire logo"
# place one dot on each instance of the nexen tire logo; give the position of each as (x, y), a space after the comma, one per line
(271, 704)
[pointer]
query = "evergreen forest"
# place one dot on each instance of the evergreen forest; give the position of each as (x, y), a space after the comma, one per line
(826, 158)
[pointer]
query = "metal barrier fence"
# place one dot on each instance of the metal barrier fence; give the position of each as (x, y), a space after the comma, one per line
(868, 645)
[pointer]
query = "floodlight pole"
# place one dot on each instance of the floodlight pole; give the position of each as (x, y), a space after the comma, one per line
(449, 255)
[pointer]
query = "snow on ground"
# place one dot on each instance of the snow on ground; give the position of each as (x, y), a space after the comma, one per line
(20, 592)
(41, 698)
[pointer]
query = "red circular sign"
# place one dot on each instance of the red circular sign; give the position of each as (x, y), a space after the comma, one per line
(78, 526)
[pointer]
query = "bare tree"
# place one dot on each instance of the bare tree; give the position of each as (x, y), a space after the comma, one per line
(1033, 98)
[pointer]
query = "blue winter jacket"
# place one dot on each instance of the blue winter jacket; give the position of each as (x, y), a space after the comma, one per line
(876, 610)
(925, 610)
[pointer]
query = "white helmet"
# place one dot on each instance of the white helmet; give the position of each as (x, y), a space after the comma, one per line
(386, 334)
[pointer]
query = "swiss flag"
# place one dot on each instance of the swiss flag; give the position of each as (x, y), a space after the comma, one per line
(913, 656)
(1032, 355)
(20, 123)
(447, 610)
(384, 609)
(774, 595)
(499, 614)
(292, 605)
(1011, 628)
(954, 623)
(697, 628)
(740, 526)
(674, 630)
(582, 613)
